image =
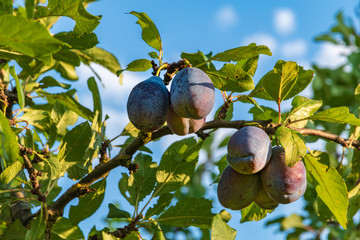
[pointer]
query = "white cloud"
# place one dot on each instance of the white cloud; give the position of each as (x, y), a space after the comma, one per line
(331, 55)
(295, 48)
(226, 16)
(284, 21)
(261, 39)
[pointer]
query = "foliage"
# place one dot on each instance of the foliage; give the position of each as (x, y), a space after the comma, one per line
(48, 136)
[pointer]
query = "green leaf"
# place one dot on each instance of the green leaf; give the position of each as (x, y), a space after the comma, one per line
(30, 7)
(27, 37)
(103, 58)
(303, 80)
(239, 53)
(189, 212)
(67, 56)
(162, 203)
(89, 203)
(249, 65)
(142, 182)
(132, 236)
(9, 148)
(229, 112)
(139, 65)
(177, 165)
(82, 42)
(72, 104)
(292, 221)
(279, 82)
(357, 92)
(75, 143)
(253, 213)
(158, 233)
(38, 118)
(115, 212)
(15, 231)
(96, 97)
(260, 92)
(10, 172)
(154, 55)
(354, 201)
(52, 167)
(130, 130)
(19, 89)
(62, 117)
(330, 187)
(294, 146)
(64, 230)
(231, 78)
(86, 152)
(74, 9)
(198, 59)
(52, 82)
(303, 107)
(221, 230)
(37, 229)
(266, 114)
(66, 70)
(221, 164)
(327, 38)
(150, 33)
(6, 7)
(75, 149)
(336, 115)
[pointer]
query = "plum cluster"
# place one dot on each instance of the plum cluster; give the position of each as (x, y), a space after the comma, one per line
(258, 173)
(185, 108)
(192, 96)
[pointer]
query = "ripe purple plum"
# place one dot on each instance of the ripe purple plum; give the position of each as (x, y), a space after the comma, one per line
(183, 126)
(235, 190)
(282, 183)
(249, 150)
(148, 104)
(264, 201)
(192, 93)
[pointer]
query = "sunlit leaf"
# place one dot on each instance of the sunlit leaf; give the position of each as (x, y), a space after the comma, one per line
(74, 9)
(239, 53)
(150, 33)
(27, 37)
(231, 78)
(188, 212)
(177, 165)
(279, 82)
(64, 230)
(330, 187)
(336, 115)
(253, 213)
(294, 146)
(221, 230)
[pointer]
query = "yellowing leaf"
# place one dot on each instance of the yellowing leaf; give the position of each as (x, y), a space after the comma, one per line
(330, 187)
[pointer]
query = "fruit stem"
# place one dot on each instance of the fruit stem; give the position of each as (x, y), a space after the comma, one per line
(165, 65)
(279, 122)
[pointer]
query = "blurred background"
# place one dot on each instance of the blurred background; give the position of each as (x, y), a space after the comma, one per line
(288, 28)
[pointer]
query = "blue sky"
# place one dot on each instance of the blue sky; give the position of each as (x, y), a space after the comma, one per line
(287, 27)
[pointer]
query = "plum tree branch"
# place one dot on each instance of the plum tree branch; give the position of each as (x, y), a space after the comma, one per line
(124, 157)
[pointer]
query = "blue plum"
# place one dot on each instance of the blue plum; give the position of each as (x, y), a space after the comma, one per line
(282, 183)
(264, 201)
(148, 104)
(192, 93)
(249, 150)
(235, 190)
(183, 126)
